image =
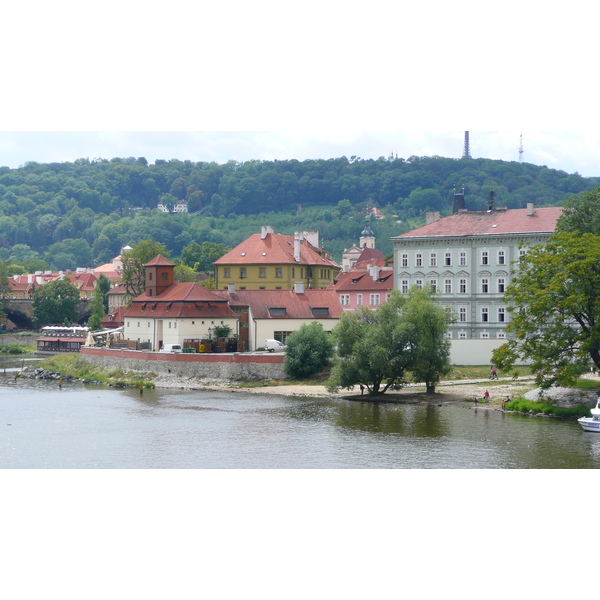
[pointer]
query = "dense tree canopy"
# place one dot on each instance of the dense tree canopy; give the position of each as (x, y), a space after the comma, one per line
(83, 213)
(555, 306)
(309, 351)
(403, 339)
(55, 303)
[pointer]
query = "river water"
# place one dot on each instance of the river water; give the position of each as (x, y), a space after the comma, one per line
(87, 427)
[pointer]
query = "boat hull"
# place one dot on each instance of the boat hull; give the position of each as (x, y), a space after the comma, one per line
(589, 424)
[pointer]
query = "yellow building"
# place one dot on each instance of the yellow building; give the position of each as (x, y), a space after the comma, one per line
(272, 261)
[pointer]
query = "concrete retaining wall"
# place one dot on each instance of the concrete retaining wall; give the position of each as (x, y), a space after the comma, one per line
(211, 367)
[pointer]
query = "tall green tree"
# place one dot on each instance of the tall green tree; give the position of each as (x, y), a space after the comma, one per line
(555, 305)
(581, 213)
(97, 311)
(134, 274)
(102, 288)
(55, 303)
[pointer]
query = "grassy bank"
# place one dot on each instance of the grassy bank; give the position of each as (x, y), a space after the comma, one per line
(79, 368)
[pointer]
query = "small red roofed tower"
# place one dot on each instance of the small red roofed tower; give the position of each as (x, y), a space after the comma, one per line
(160, 274)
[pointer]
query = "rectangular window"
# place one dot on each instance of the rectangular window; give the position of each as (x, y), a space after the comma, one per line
(433, 259)
(463, 286)
(277, 311)
(164, 276)
(375, 299)
(501, 315)
(462, 335)
(433, 284)
(278, 272)
(485, 286)
(485, 258)
(293, 272)
(501, 335)
(485, 335)
(242, 272)
(463, 259)
(405, 260)
(262, 271)
(419, 283)
(448, 259)
(419, 260)
(404, 286)
(501, 286)
(448, 286)
(485, 315)
(226, 272)
(359, 300)
(345, 299)
(462, 315)
(501, 257)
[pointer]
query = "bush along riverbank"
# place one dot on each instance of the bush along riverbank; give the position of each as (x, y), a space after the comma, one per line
(539, 409)
(69, 368)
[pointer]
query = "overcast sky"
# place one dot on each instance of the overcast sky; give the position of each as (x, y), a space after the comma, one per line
(569, 151)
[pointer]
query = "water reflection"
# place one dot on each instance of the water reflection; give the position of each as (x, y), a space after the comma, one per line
(96, 427)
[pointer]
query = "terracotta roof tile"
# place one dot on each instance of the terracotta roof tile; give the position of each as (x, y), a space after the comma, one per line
(496, 222)
(361, 281)
(275, 248)
(159, 261)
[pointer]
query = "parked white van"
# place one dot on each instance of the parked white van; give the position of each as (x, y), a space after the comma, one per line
(171, 348)
(274, 346)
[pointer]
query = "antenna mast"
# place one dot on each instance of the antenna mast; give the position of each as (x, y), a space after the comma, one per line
(521, 150)
(467, 151)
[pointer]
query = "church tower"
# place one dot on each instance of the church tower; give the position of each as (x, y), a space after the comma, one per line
(367, 237)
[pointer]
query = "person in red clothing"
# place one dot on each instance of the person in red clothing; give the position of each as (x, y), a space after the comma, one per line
(486, 397)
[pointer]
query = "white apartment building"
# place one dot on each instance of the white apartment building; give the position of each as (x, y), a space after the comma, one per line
(468, 258)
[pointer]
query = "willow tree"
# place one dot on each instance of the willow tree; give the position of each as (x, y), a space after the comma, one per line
(404, 339)
(554, 300)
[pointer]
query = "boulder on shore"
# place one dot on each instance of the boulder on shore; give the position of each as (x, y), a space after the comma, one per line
(562, 397)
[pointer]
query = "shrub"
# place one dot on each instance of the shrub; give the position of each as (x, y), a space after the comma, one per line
(309, 351)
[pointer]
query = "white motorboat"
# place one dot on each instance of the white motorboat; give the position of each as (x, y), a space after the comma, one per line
(592, 423)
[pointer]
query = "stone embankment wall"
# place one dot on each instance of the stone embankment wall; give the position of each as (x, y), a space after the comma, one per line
(209, 367)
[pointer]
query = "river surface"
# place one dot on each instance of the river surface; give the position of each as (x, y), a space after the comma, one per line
(87, 427)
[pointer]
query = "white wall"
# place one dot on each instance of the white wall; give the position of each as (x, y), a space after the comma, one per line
(473, 353)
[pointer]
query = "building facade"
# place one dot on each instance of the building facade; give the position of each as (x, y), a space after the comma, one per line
(469, 258)
(272, 261)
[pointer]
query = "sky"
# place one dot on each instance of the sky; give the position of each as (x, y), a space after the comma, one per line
(568, 151)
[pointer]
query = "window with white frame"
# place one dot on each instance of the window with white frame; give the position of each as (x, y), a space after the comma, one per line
(419, 283)
(485, 315)
(419, 260)
(501, 285)
(375, 299)
(359, 300)
(501, 335)
(462, 335)
(501, 314)
(485, 286)
(462, 314)
(448, 286)
(433, 259)
(405, 260)
(448, 259)
(485, 258)
(463, 259)
(485, 335)
(501, 257)
(345, 299)
(433, 284)
(462, 286)
(404, 286)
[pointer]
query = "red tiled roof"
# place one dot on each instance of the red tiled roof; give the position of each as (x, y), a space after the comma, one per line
(298, 306)
(181, 300)
(362, 281)
(496, 222)
(159, 261)
(371, 256)
(275, 248)
(87, 281)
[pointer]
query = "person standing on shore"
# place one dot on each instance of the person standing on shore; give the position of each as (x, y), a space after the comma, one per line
(486, 397)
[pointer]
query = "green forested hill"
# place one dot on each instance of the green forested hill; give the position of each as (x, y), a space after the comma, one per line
(82, 213)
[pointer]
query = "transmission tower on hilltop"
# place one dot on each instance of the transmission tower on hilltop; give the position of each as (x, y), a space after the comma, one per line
(467, 150)
(521, 150)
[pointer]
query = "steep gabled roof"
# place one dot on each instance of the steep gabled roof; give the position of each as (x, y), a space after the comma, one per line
(274, 249)
(159, 261)
(495, 222)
